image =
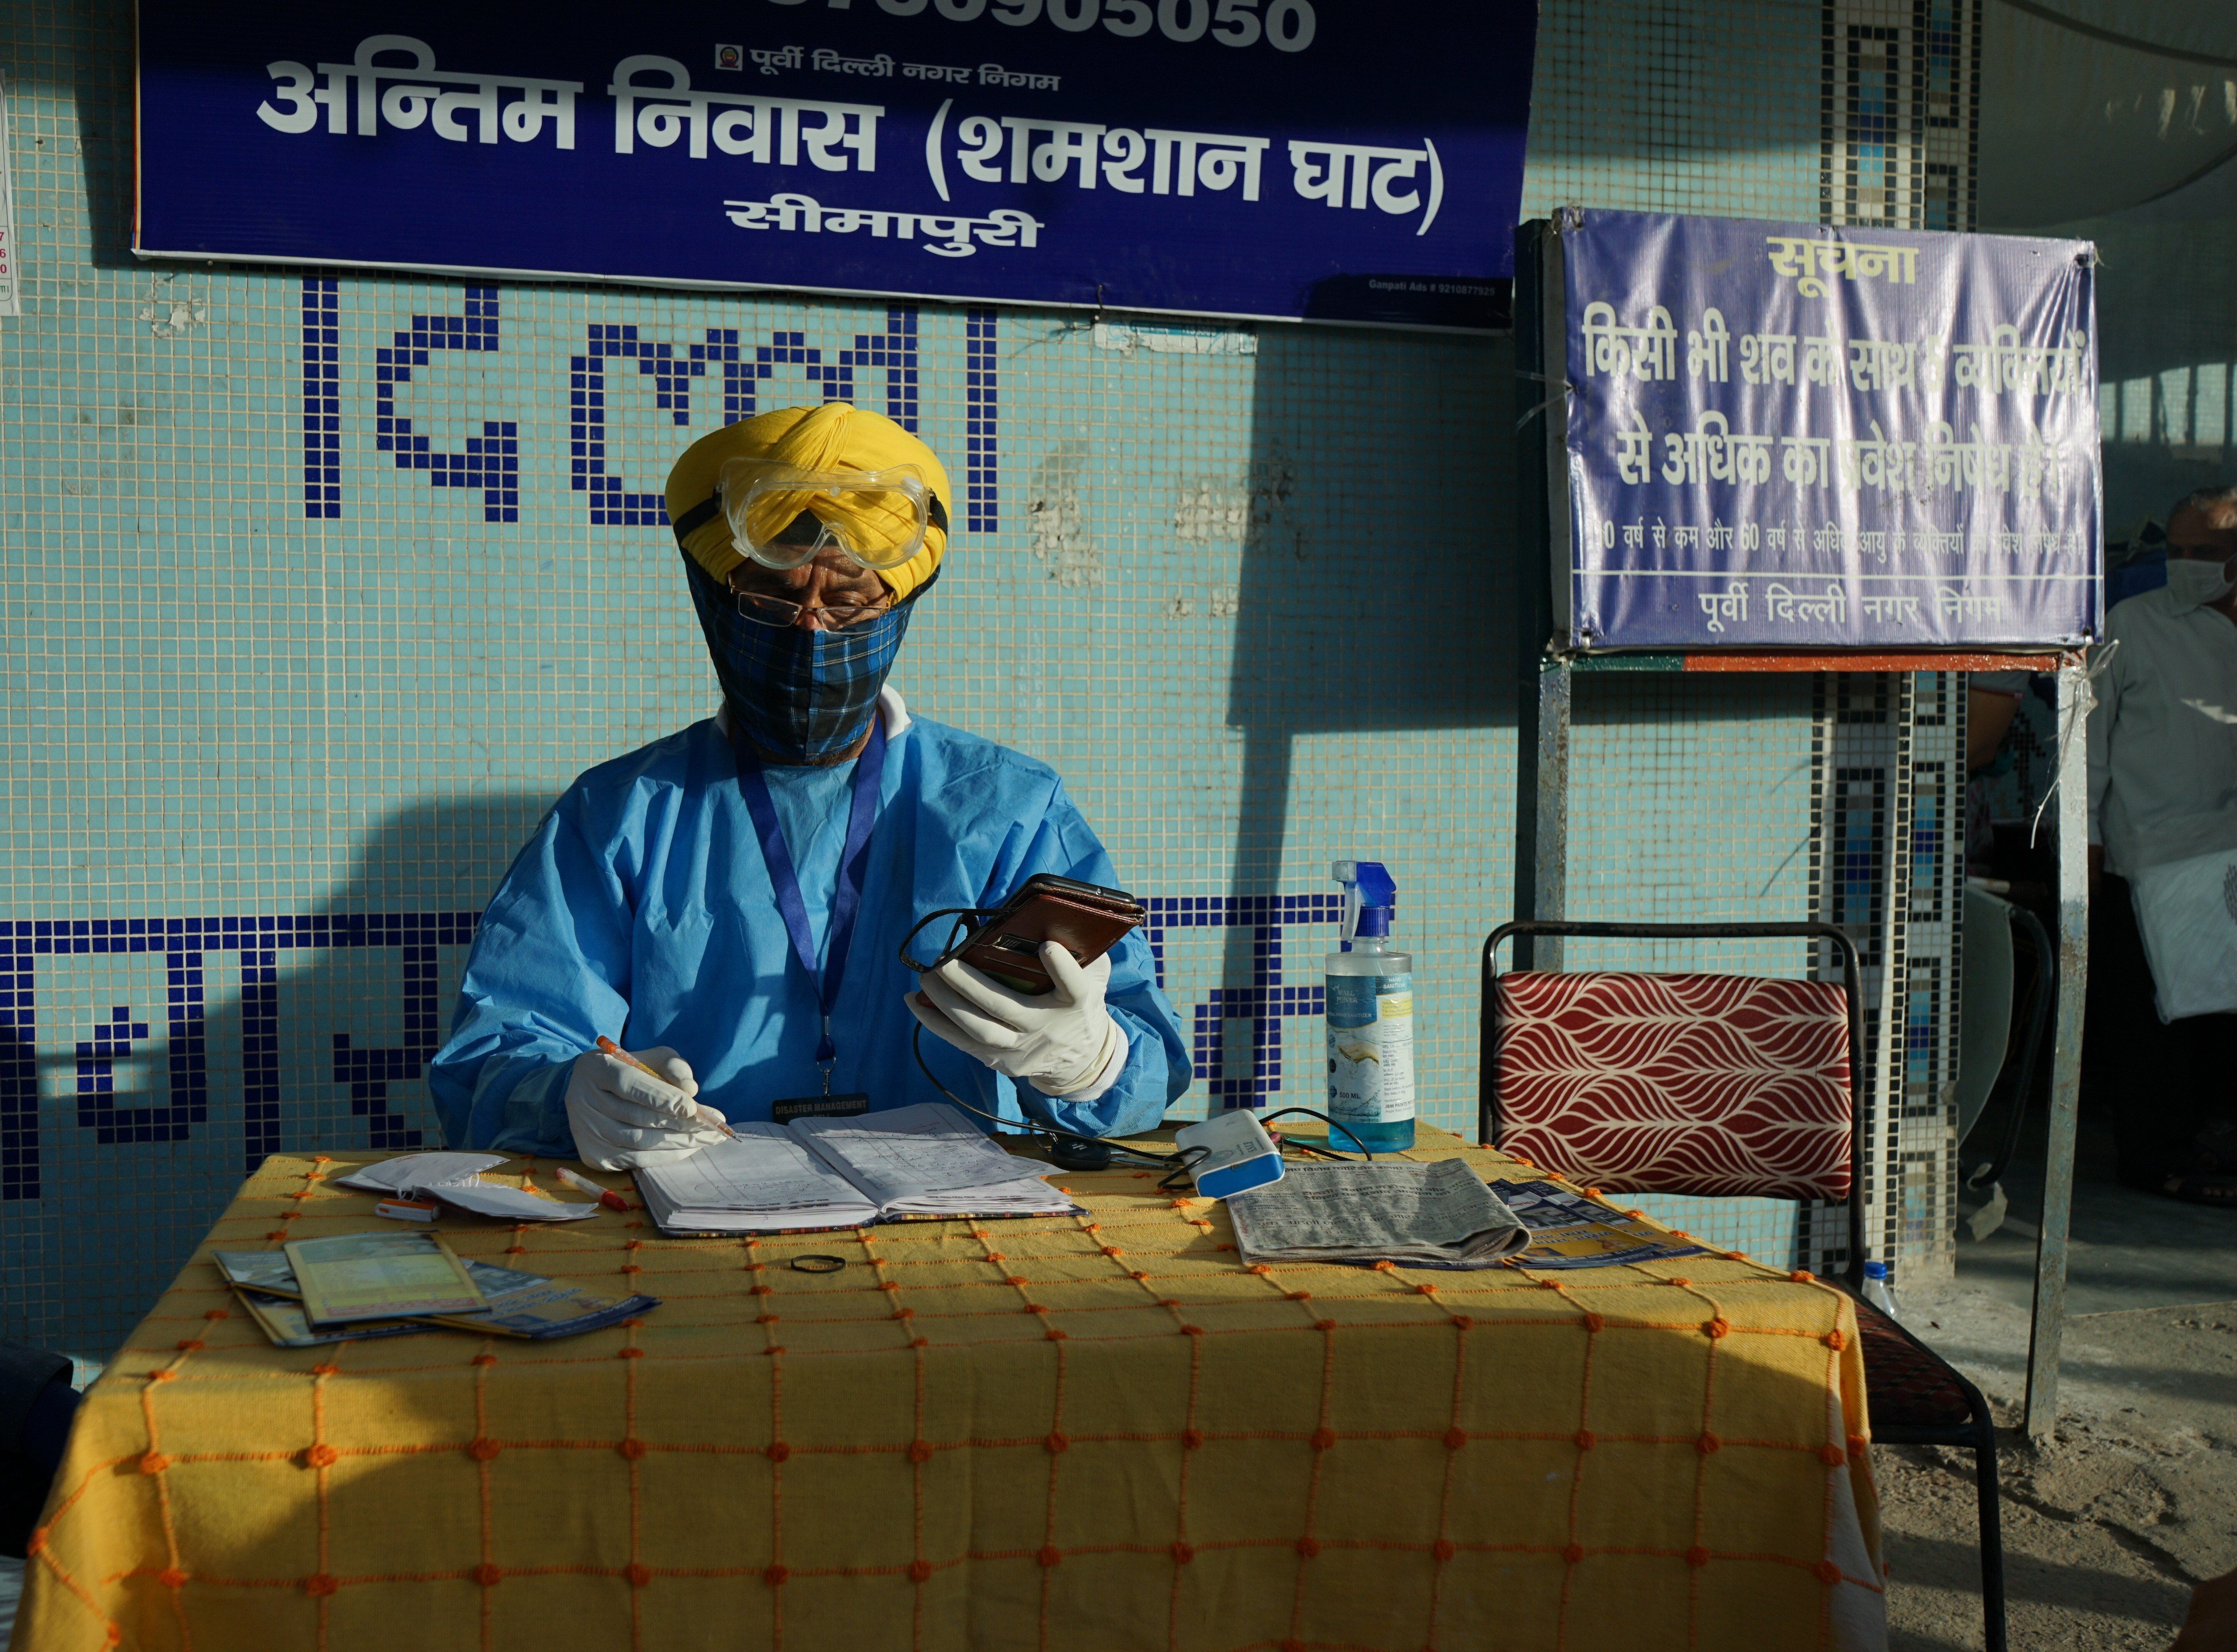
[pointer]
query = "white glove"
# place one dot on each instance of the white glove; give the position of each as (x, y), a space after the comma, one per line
(1062, 1043)
(624, 1119)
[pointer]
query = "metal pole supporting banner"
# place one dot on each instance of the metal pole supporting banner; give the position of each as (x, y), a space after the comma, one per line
(1542, 677)
(2073, 829)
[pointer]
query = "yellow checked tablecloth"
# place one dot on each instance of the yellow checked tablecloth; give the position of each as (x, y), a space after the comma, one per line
(1056, 1435)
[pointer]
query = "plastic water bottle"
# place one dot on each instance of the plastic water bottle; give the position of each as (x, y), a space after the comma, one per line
(1875, 1289)
(1371, 1018)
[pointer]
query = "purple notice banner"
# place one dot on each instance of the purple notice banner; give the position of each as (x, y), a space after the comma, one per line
(1791, 436)
(1297, 160)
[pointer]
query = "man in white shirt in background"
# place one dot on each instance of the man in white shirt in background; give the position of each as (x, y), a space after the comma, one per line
(2163, 857)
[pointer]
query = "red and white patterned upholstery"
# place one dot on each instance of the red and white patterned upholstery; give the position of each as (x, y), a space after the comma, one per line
(1712, 1084)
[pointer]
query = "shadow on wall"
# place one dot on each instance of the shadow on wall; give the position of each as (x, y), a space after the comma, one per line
(421, 877)
(437, 862)
(322, 1049)
(102, 86)
(1378, 561)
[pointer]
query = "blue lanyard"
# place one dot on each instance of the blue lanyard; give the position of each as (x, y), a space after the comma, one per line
(854, 859)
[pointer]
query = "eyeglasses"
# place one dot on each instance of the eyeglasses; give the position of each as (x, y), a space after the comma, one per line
(832, 616)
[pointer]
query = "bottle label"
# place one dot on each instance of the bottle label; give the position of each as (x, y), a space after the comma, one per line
(1371, 1046)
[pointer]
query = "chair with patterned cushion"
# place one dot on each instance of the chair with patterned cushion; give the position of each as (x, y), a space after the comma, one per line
(1721, 1086)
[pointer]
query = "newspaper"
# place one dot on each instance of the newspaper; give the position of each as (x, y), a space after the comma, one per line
(1569, 1230)
(1416, 1215)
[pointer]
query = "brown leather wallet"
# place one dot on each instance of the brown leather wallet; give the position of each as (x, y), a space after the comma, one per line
(1084, 920)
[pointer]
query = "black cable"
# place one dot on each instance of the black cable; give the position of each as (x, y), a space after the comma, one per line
(962, 915)
(1035, 1126)
(1284, 1112)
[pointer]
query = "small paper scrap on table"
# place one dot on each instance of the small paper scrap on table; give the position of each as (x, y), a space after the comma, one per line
(456, 1179)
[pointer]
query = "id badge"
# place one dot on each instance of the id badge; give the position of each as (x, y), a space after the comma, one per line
(846, 1106)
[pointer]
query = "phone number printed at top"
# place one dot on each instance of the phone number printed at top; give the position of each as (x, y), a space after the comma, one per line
(1286, 25)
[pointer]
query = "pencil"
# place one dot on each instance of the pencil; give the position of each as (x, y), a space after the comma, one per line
(705, 1114)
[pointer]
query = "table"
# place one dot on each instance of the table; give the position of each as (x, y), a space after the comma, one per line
(1073, 1433)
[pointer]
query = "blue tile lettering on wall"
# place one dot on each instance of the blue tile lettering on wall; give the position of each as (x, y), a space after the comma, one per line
(114, 1042)
(1266, 1003)
(183, 943)
(611, 505)
(322, 406)
(894, 351)
(19, 1074)
(491, 461)
(981, 427)
(369, 1072)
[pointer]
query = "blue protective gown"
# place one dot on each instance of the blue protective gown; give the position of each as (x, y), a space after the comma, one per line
(643, 909)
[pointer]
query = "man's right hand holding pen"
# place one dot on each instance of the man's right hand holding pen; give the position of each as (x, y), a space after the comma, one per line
(631, 1110)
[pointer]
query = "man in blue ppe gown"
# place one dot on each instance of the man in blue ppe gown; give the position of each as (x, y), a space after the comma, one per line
(727, 904)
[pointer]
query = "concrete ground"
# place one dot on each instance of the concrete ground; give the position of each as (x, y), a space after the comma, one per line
(2134, 1499)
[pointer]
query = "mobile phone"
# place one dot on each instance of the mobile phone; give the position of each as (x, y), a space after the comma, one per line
(1087, 920)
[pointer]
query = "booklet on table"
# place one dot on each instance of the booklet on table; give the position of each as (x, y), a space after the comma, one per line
(520, 1303)
(1569, 1230)
(926, 1161)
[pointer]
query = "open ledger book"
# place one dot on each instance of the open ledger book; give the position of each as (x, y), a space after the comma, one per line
(922, 1163)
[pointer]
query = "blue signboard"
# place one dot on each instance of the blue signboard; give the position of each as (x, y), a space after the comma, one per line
(1286, 159)
(1789, 436)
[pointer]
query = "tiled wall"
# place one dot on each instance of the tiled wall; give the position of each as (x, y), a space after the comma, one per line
(316, 587)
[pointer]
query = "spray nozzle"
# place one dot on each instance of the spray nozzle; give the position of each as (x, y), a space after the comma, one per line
(1369, 892)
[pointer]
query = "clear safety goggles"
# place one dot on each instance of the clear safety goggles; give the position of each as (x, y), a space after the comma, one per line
(782, 516)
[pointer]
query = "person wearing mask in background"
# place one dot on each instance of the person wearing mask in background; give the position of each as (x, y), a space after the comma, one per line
(2164, 855)
(728, 903)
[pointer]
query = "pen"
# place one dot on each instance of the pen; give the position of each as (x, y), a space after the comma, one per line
(580, 1183)
(614, 1050)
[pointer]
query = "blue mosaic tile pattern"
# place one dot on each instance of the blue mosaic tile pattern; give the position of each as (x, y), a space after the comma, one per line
(491, 460)
(322, 407)
(1267, 1003)
(982, 471)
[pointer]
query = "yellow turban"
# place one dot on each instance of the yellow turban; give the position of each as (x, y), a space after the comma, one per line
(834, 436)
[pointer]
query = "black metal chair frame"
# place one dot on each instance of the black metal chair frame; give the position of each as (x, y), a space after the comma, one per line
(1978, 1432)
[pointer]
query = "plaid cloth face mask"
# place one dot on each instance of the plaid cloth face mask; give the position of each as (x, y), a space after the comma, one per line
(801, 696)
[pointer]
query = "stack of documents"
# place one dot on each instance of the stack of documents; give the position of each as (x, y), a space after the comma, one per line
(386, 1285)
(1416, 1215)
(923, 1162)
(456, 1179)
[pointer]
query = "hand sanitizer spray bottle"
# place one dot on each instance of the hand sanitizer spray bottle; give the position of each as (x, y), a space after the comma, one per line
(1371, 1017)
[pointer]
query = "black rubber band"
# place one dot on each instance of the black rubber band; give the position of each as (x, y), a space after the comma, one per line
(800, 1263)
